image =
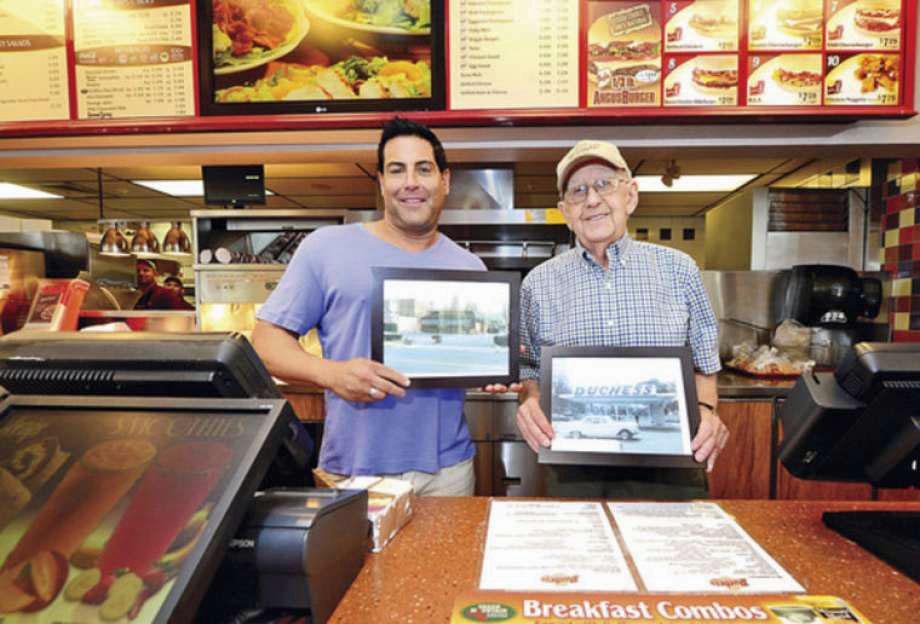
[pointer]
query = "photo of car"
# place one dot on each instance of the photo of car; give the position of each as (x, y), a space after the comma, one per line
(600, 427)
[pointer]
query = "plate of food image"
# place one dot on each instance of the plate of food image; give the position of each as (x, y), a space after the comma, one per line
(250, 33)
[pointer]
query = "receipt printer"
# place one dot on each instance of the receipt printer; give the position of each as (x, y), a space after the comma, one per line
(297, 549)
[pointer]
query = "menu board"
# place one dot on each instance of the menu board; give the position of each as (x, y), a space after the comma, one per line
(321, 55)
(133, 58)
(513, 54)
(33, 61)
(624, 54)
(499, 61)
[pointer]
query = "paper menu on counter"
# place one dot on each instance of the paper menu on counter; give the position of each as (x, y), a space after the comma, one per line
(33, 61)
(513, 54)
(133, 58)
(696, 547)
(552, 546)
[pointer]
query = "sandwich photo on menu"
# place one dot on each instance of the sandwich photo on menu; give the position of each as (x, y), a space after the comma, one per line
(864, 24)
(784, 80)
(878, 17)
(705, 25)
(624, 53)
(786, 24)
(705, 80)
(321, 51)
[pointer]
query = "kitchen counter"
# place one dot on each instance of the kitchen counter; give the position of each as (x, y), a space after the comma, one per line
(737, 386)
(437, 556)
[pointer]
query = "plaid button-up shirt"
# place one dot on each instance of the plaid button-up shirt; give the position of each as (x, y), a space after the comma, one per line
(649, 296)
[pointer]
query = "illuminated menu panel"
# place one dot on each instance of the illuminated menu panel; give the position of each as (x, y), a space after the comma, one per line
(863, 24)
(513, 54)
(624, 54)
(133, 58)
(33, 61)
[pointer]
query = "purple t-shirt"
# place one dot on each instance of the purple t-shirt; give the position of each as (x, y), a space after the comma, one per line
(329, 285)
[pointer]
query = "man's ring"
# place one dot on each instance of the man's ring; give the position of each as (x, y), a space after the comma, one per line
(373, 391)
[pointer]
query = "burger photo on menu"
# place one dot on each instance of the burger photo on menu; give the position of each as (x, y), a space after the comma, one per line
(785, 24)
(624, 54)
(862, 79)
(703, 80)
(784, 80)
(338, 54)
(864, 24)
(704, 25)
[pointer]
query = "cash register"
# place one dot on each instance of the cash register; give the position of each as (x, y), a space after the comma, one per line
(195, 424)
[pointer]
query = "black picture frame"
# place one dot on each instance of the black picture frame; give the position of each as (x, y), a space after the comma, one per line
(606, 420)
(267, 423)
(473, 377)
(208, 81)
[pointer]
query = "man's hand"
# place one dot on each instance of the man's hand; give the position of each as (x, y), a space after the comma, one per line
(533, 424)
(365, 380)
(501, 388)
(710, 438)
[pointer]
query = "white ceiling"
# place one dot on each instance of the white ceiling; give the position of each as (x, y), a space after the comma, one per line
(337, 186)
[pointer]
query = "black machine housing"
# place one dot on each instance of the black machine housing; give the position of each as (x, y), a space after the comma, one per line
(860, 423)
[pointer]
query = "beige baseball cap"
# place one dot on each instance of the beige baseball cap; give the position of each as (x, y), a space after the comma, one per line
(585, 151)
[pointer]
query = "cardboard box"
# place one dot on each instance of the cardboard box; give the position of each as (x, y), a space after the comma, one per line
(389, 503)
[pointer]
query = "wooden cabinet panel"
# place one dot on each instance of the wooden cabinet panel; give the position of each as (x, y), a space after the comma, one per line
(307, 407)
(743, 467)
(790, 487)
(904, 494)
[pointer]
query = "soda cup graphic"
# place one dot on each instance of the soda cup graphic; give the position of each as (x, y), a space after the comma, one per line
(174, 487)
(90, 489)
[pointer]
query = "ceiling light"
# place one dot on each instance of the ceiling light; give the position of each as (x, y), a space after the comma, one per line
(14, 191)
(693, 183)
(178, 188)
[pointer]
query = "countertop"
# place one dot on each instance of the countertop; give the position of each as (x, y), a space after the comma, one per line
(731, 386)
(437, 556)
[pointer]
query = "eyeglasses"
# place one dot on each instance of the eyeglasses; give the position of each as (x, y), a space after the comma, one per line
(605, 187)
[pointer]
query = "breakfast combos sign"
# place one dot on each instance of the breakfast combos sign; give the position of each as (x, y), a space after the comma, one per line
(624, 54)
(99, 512)
(680, 609)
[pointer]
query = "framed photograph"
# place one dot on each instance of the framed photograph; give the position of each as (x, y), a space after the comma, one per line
(633, 406)
(446, 328)
(320, 56)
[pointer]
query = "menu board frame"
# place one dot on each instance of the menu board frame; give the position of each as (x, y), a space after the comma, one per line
(372, 114)
(271, 420)
(207, 87)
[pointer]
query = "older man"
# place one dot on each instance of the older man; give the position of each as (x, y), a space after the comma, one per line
(613, 291)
